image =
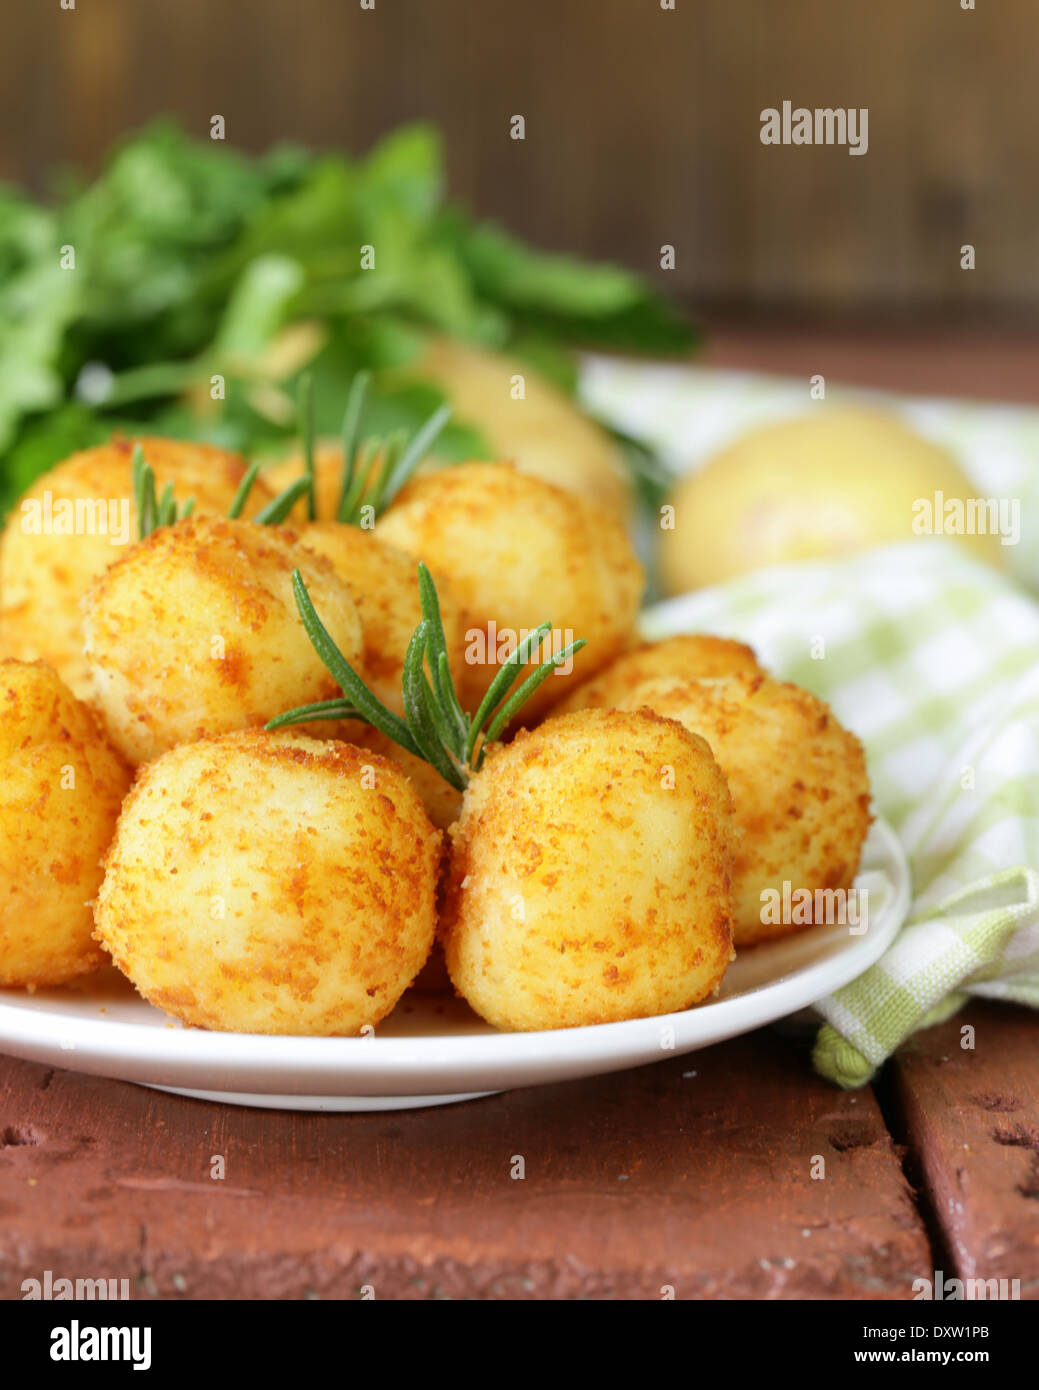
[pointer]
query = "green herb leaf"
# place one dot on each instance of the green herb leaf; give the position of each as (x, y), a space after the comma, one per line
(523, 693)
(349, 436)
(278, 508)
(308, 714)
(434, 727)
(245, 487)
(369, 707)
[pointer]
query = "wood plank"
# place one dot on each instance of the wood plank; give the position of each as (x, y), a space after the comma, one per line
(979, 364)
(643, 125)
(693, 1173)
(972, 1127)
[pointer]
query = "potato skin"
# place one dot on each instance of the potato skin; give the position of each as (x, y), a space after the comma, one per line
(271, 883)
(150, 623)
(61, 787)
(546, 434)
(826, 484)
(692, 656)
(518, 551)
(799, 785)
(581, 887)
(384, 584)
(45, 576)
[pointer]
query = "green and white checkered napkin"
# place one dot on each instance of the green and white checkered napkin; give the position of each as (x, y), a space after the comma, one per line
(933, 660)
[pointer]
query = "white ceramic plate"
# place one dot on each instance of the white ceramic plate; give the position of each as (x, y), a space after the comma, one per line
(433, 1050)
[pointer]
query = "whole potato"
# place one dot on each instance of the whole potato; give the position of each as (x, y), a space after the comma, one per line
(544, 432)
(195, 631)
(45, 572)
(826, 484)
(799, 786)
(271, 883)
(384, 583)
(60, 792)
(516, 552)
(588, 877)
(695, 656)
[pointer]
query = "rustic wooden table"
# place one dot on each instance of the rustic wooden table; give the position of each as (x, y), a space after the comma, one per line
(700, 1173)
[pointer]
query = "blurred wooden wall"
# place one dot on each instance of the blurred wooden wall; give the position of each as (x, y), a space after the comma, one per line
(642, 125)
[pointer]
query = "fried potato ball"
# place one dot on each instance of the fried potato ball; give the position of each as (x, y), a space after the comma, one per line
(518, 551)
(694, 656)
(442, 801)
(75, 521)
(588, 877)
(798, 779)
(61, 788)
(271, 883)
(195, 631)
(384, 583)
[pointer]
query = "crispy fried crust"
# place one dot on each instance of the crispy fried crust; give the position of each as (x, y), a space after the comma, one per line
(271, 883)
(441, 800)
(45, 576)
(693, 656)
(61, 787)
(519, 551)
(798, 779)
(195, 632)
(589, 872)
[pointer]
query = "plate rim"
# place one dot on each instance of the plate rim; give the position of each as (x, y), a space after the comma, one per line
(438, 1063)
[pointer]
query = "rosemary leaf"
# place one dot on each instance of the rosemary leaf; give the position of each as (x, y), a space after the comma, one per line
(278, 508)
(420, 445)
(369, 707)
(351, 428)
(167, 508)
(524, 692)
(350, 504)
(306, 425)
(448, 686)
(308, 714)
(137, 467)
(507, 673)
(436, 648)
(244, 488)
(421, 720)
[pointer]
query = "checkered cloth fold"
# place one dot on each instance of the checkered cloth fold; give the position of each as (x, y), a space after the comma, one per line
(933, 660)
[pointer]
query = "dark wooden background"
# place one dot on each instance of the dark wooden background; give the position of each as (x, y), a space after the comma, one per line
(642, 125)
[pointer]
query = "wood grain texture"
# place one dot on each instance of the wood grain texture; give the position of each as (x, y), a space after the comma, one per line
(975, 364)
(972, 1126)
(693, 1173)
(642, 125)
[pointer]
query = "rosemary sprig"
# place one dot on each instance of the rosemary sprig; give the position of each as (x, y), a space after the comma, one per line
(435, 727)
(245, 487)
(153, 512)
(374, 469)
